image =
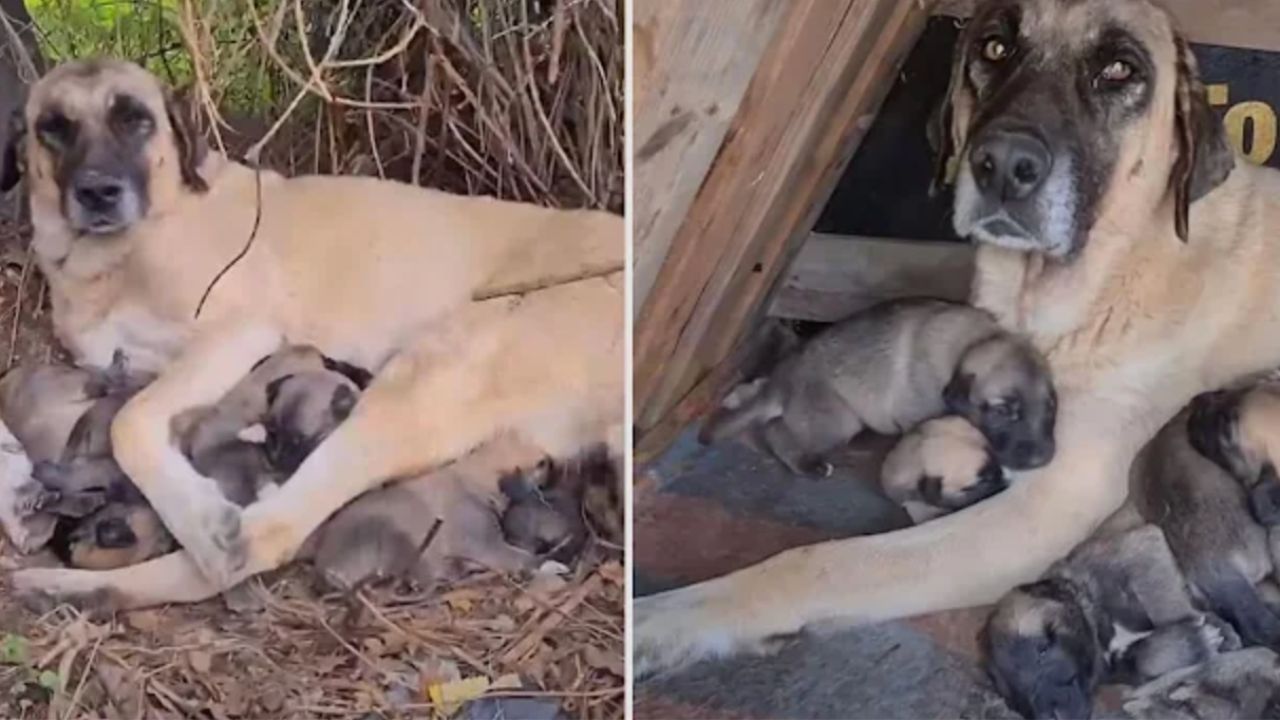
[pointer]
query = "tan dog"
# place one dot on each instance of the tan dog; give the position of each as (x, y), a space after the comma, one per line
(133, 226)
(1149, 284)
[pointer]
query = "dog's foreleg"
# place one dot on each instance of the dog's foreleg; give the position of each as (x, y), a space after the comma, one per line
(172, 578)
(192, 506)
(965, 559)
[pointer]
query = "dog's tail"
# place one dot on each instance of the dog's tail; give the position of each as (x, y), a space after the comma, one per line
(1231, 596)
(748, 405)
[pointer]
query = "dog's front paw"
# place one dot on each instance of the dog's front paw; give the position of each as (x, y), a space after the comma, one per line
(43, 589)
(677, 628)
(215, 541)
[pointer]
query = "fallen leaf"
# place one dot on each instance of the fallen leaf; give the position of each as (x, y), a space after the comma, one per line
(200, 661)
(610, 662)
(613, 573)
(147, 621)
(14, 650)
(50, 680)
(449, 697)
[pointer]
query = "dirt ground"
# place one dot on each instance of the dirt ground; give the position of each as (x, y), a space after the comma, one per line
(291, 650)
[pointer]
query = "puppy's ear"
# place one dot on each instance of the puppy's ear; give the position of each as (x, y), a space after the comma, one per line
(956, 395)
(948, 124)
(188, 141)
(11, 173)
(1204, 158)
(343, 401)
(930, 489)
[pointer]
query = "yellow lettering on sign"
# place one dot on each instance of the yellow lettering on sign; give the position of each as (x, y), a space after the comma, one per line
(1219, 94)
(1261, 120)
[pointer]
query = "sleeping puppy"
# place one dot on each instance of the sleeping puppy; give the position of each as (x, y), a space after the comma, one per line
(555, 505)
(1204, 512)
(1116, 610)
(891, 367)
(941, 466)
(1239, 429)
(291, 394)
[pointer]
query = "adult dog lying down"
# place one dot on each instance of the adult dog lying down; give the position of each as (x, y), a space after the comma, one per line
(133, 224)
(1119, 233)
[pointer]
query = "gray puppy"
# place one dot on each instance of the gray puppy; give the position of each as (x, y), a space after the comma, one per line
(1115, 610)
(941, 466)
(889, 368)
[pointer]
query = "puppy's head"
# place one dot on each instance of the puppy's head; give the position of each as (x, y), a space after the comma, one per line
(302, 410)
(957, 469)
(105, 145)
(1238, 429)
(1062, 113)
(117, 535)
(1042, 652)
(1004, 388)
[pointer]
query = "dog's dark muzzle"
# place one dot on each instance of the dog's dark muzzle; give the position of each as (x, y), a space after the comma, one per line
(1009, 165)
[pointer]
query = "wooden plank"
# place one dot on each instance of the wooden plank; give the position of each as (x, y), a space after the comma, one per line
(811, 100)
(1235, 23)
(834, 276)
(692, 64)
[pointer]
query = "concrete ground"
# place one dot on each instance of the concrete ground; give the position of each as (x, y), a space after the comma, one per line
(701, 512)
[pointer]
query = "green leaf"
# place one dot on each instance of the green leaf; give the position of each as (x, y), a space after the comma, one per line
(50, 681)
(13, 650)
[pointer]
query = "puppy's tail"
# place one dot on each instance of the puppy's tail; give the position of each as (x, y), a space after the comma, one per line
(739, 416)
(1233, 598)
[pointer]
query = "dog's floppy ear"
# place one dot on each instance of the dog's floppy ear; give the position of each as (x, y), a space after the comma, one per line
(945, 129)
(13, 159)
(188, 141)
(1204, 157)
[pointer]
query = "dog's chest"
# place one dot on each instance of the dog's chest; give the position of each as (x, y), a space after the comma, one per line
(148, 342)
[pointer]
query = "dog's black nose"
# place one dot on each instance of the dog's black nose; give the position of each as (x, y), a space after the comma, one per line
(1010, 165)
(114, 533)
(98, 192)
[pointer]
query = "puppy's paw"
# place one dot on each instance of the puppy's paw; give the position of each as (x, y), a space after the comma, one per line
(1219, 636)
(820, 469)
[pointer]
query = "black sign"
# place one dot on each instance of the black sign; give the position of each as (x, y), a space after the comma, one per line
(885, 190)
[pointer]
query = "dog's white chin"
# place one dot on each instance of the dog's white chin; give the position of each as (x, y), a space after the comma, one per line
(1057, 206)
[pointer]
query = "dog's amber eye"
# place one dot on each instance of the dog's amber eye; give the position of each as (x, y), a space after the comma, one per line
(55, 131)
(995, 49)
(1116, 71)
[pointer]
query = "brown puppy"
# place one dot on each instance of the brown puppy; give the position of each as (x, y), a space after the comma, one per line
(1116, 610)
(941, 466)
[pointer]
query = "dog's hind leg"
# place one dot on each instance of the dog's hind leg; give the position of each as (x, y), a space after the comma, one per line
(965, 559)
(192, 506)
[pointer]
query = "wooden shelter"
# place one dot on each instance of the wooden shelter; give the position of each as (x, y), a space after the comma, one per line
(747, 113)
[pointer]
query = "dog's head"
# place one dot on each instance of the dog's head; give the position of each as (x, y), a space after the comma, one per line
(1004, 388)
(117, 535)
(1062, 114)
(1042, 652)
(103, 144)
(957, 467)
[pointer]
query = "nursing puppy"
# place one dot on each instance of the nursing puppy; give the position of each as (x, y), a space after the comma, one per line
(1205, 515)
(557, 505)
(1239, 429)
(889, 368)
(941, 466)
(1115, 610)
